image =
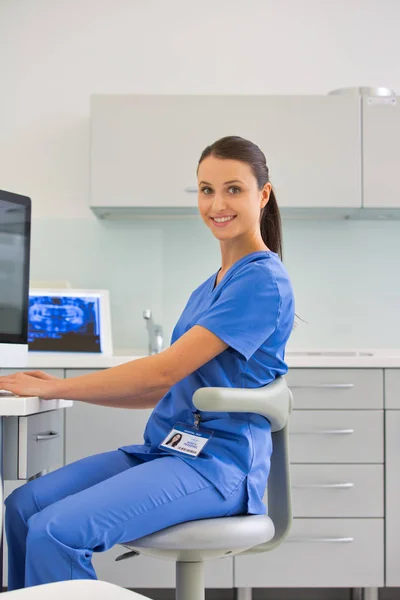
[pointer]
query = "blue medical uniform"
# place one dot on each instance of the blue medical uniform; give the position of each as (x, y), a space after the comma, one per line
(251, 310)
(56, 522)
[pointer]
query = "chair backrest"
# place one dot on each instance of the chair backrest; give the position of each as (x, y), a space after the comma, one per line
(275, 402)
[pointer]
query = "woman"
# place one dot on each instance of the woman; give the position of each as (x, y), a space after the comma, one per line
(232, 333)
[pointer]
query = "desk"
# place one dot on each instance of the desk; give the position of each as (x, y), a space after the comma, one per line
(31, 439)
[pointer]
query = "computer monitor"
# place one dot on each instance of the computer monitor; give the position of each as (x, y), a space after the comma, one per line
(15, 235)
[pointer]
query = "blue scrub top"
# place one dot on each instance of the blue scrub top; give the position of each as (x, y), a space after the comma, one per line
(251, 310)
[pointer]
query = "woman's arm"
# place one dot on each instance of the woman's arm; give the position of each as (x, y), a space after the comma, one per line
(130, 380)
(144, 401)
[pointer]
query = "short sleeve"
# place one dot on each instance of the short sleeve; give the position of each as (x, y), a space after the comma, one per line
(246, 312)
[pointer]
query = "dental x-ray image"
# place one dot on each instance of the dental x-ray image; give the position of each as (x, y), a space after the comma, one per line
(63, 324)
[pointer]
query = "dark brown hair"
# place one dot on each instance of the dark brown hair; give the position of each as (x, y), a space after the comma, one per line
(237, 148)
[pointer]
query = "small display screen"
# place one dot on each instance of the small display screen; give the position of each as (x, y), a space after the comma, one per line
(64, 323)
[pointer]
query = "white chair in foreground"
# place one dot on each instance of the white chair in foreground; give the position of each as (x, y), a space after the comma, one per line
(76, 589)
(193, 542)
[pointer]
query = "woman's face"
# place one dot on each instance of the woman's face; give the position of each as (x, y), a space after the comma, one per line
(176, 438)
(228, 188)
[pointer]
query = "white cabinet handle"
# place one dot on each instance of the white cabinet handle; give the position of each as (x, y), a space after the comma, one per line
(339, 486)
(323, 540)
(41, 437)
(324, 431)
(191, 189)
(332, 386)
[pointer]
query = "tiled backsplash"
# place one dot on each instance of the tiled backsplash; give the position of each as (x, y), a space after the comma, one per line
(346, 274)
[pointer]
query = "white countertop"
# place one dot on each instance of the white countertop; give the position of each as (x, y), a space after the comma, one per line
(295, 357)
(28, 405)
(328, 358)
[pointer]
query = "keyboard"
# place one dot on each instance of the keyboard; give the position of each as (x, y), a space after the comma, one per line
(6, 394)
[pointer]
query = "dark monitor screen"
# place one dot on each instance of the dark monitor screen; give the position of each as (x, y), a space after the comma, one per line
(15, 233)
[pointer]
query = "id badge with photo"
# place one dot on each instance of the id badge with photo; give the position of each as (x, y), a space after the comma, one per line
(186, 440)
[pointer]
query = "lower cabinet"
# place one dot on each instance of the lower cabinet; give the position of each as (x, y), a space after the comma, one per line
(319, 553)
(337, 455)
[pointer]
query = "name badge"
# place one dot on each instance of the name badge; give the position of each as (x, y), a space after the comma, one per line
(187, 440)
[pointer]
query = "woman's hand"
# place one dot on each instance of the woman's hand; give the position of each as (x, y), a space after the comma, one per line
(31, 383)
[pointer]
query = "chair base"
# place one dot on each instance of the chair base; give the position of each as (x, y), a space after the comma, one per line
(190, 581)
(243, 593)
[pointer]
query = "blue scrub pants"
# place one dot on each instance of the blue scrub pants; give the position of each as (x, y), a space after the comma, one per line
(55, 523)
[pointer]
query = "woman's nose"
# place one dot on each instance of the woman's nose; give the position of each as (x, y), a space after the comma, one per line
(219, 202)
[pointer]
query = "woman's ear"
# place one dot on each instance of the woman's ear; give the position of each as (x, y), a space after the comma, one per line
(265, 194)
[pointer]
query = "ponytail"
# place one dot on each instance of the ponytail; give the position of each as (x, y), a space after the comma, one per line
(271, 225)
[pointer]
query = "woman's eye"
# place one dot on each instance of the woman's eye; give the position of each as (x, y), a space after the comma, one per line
(206, 190)
(234, 189)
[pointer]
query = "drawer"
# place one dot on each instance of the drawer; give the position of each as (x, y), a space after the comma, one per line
(32, 444)
(319, 553)
(337, 490)
(56, 372)
(336, 388)
(392, 388)
(348, 436)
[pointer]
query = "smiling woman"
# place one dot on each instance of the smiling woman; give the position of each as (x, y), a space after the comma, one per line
(234, 185)
(232, 333)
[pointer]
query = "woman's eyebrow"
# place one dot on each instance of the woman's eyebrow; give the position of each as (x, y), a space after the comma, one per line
(226, 182)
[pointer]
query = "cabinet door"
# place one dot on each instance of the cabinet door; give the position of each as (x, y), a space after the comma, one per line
(9, 487)
(336, 388)
(392, 497)
(337, 490)
(336, 436)
(93, 429)
(381, 152)
(319, 553)
(145, 149)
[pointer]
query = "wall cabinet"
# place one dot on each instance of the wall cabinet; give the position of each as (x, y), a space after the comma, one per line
(145, 149)
(381, 152)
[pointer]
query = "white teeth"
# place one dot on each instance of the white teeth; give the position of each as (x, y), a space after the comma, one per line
(223, 219)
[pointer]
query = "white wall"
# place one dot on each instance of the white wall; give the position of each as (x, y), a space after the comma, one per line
(55, 53)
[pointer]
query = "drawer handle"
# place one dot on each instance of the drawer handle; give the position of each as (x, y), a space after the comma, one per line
(323, 540)
(331, 386)
(339, 486)
(191, 189)
(41, 437)
(324, 431)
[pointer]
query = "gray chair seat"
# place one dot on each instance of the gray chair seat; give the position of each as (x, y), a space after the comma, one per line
(206, 539)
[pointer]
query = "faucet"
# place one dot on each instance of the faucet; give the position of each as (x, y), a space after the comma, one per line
(155, 333)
